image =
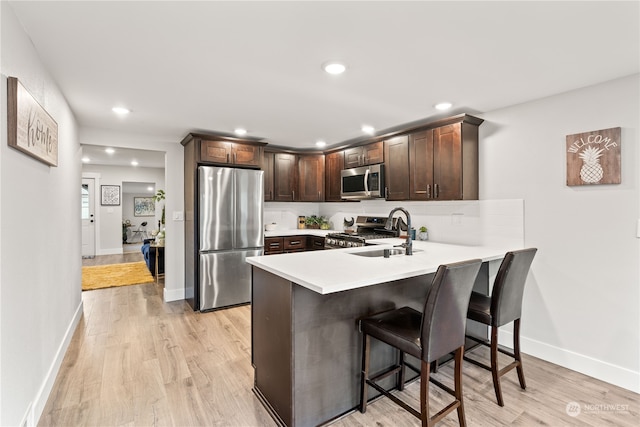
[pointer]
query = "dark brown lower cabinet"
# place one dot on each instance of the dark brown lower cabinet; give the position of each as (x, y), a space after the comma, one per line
(273, 245)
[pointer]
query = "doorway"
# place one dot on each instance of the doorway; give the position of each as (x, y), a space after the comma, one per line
(142, 224)
(88, 218)
(118, 166)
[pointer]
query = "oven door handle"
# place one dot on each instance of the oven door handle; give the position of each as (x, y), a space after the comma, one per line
(366, 183)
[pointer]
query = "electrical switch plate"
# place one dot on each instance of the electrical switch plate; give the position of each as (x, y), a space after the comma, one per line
(178, 216)
(456, 218)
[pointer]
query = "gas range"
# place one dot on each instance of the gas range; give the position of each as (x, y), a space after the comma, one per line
(368, 228)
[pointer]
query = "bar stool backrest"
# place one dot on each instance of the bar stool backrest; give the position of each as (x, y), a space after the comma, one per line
(444, 317)
(508, 288)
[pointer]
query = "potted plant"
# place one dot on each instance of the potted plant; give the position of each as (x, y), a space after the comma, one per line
(159, 196)
(312, 221)
(422, 233)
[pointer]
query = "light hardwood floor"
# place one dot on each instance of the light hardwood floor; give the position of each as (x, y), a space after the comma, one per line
(137, 361)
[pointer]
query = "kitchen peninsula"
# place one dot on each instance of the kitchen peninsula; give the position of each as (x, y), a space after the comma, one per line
(306, 347)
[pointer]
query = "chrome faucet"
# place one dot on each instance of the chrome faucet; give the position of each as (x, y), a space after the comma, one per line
(389, 224)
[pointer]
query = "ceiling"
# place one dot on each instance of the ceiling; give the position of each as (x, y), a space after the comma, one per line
(123, 156)
(212, 66)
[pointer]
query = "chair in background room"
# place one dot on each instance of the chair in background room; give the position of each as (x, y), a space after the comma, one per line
(436, 332)
(504, 306)
(141, 232)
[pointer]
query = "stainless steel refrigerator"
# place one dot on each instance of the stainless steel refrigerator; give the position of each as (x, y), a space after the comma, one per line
(230, 228)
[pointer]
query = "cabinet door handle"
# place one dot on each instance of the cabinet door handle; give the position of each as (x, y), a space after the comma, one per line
(436, 191)
(270, 194)
(235, 157)
(227, 157)
(294, 242)
(274, 244)
(364, 159)
(318, 195)
(428, 191)
(293, 194)
(386, 192)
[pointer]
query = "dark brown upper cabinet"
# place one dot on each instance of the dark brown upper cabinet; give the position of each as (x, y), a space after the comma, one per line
(230, 153)
(293, 177)
(396, 170)
(363, 155)
(267, 167)
(444, 162)
(310, 178)
(284, 177)
(334, 163)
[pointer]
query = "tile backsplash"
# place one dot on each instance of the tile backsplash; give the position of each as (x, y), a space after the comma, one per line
(475, 222)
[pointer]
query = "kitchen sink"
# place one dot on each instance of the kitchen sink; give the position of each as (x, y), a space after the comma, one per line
(380, 252)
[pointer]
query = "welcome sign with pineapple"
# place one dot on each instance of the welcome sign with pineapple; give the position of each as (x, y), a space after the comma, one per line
(594, 157)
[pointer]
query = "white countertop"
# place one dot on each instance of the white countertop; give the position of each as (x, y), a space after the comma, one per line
(338, 270)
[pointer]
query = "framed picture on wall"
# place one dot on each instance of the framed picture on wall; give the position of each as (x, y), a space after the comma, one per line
(144, 206)
(110, 195)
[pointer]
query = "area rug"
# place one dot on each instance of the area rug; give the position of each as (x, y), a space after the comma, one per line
(107, 276)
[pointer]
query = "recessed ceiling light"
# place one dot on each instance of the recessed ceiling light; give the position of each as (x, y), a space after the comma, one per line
(86, 160)
(120, 110)
(240, 131)
(320, 144)
(333, 67)
(443, 106)
(134, 163)
(109, 150)
(149, 188)
(369, 130)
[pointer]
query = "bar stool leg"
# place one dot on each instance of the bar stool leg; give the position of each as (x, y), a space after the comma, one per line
(400, 384)
(494, 365)
(458, 385)
(425, 373)
(366, 342)
(516, 352)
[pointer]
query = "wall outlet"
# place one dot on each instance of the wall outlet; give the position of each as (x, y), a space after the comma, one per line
(178, 216)
(456, 218)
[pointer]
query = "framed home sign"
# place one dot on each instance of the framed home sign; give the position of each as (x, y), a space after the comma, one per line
(30, 128)
(594, 157)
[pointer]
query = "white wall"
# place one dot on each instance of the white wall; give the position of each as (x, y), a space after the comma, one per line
(40, 245)
(109, 218)
(582, 301)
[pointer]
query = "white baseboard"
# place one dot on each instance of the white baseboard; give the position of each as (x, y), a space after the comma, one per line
(43, 394)
(604, 371)
(173, 294)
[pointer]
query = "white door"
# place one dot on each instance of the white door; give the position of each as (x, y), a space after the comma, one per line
(88, 219)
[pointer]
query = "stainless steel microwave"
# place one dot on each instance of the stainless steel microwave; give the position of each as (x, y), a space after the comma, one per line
(366, 182)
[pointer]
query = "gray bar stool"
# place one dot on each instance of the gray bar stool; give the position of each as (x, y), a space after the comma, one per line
(504, 306)
(436, 332)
